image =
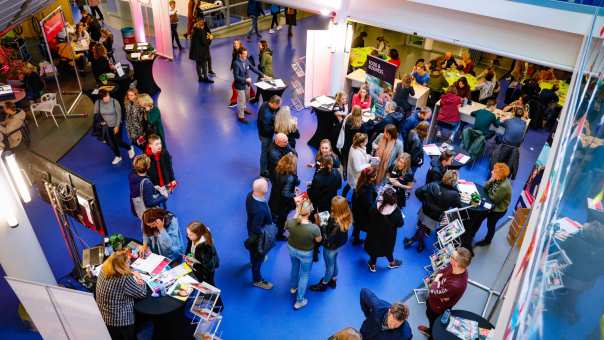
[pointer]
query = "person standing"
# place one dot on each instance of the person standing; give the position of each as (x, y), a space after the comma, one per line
(281, 200)
(414, 145)
(387, 147)
(384, 220)
(243, 82)
(279, 148)
(174, 24)
(449, 115)
(234, 57)
(400, 177)
(199, 51)
(275, 10)
(363, 198)
(202, 256)
(288, 125)
(161, 234)
(143, 194)
(110, 112)
(358, 160)
(384, 321)
(117, 288)
(94, 9)
(300, 244)
(254, 10)
(266, 130)
(160, 170)
(403, 91)
(154, 124)
(265, 65)
(499, 190)
(335, 236)
(325, 150)
(136, 122)
(258, 217)
(447, 287)
(290, 20)
(325, 185)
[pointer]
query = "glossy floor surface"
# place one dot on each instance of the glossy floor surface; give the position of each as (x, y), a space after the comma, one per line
(215, 161)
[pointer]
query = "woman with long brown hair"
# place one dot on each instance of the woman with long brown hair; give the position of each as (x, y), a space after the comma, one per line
(281, 200)
(385, 219)
(363, 198)
(325, 149)
(202, 255)
(335, 236)
(117, 288)
(161, 233)
(325, 184)
(387, 147)
(353, 124)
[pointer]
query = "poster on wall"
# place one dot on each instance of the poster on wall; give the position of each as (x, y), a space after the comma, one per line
(380, 76)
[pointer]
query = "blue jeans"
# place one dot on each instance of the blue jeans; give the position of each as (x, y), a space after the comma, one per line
(265, 143)
(301, 265)
(254, 27)
(331, 264)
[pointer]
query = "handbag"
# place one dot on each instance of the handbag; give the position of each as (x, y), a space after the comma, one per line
(342, 134)
(138, 202)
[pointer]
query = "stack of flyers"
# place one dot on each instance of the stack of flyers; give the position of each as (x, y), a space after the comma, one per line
(169, 277)
(450, 232)
(461, 158)
(566, 228)
(324, 217)
(421, 295)
(431, 150)
(182, 288)
(463, 328)
(152, 264)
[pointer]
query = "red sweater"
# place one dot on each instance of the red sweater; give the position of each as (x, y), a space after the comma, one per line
(449, 108)
(447, 290)
(365, 105)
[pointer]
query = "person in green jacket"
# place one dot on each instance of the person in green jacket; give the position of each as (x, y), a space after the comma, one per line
(265, 64)
(154, 124)
(499, 190)
(484, 118)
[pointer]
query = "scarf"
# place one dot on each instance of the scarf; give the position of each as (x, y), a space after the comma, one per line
(384, 152)
(156, 156)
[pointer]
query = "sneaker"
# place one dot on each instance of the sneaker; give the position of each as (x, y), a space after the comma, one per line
(271, 31)
(300, 304)
(279, 28)
(212, 73)
(116, 160)
(263, 284)
(293, 291)
(131, 153)
(371, 267)
(424, 330)
(394, 264)
(232, 105)
(319, 287)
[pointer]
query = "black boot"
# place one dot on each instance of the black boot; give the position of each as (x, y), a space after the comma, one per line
(332, 283)
(319, 287)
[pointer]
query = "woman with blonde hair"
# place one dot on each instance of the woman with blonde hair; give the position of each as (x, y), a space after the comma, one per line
(302, 235)
(281, 200)
(387, 147)
(340, 108)
(285, 123)
(335, 236)
(499, 190)
(400, 176)
(154, 124)
(353, 123)
(117, 288)
(325, 149)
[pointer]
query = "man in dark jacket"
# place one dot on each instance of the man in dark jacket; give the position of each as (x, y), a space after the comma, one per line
(258, 217)
(254, 10)
(200, 49)
(439, 166)
(384, 321)
(279, 148)
(436, 198)
(243, 82)
(266, 130)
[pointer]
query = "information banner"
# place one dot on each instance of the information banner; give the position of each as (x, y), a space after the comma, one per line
(51, 27)
(380, 76)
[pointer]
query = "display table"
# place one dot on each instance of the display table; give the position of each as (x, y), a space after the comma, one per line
(166, 314)
(142, 56)
(439, 331)
(269, 88)
(19, 96)
(420, 99)
(326, 123)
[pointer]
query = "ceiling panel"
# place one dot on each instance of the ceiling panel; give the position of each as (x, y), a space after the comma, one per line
(13, 12)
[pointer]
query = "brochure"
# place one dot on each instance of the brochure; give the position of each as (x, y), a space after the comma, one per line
(450, 232)
(421, 295)
(566, 228)
(168, 277)
(431, 150)
(463, 328)
(205, 300)
(461, 158)
(182, 288)
(151, 264)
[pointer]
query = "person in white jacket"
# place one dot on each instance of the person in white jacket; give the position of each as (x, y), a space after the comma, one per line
(358, 159)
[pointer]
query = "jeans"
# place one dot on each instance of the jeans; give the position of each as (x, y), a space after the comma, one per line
(256, 262)
(115, 142)
(173, 29)
(201, 66)
(275, 20)
(254, 27)
(331, 264)
(301, 266)
(242, 97)
(265, 142)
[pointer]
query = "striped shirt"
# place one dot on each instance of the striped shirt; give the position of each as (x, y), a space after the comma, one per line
(115, 297)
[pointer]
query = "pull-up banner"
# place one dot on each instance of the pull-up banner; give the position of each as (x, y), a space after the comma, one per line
(381, 69)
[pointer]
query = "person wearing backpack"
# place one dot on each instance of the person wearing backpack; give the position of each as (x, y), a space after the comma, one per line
(143, 194)
(110, 113)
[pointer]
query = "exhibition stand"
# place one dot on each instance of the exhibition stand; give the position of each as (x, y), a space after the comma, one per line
(142, 56)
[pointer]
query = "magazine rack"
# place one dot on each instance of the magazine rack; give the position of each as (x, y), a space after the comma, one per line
(207, 315)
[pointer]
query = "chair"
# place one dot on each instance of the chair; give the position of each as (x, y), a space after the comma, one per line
(47, 103)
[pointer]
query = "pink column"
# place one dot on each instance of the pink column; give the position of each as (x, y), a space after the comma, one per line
(137, 20)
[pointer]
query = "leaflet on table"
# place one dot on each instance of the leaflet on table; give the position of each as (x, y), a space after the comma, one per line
(432, 150)
(462, 328)
(135, 55)
(182, 288)
(263, 85)
(461, 158)
(595, 204)
(278, 83)
(466, 187)
(129, 47)
(324, 100)
(152, 264)
(168, 277)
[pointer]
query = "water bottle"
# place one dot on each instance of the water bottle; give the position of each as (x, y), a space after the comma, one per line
(444, 319)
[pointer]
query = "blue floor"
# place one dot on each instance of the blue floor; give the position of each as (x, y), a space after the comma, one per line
(215, 161)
